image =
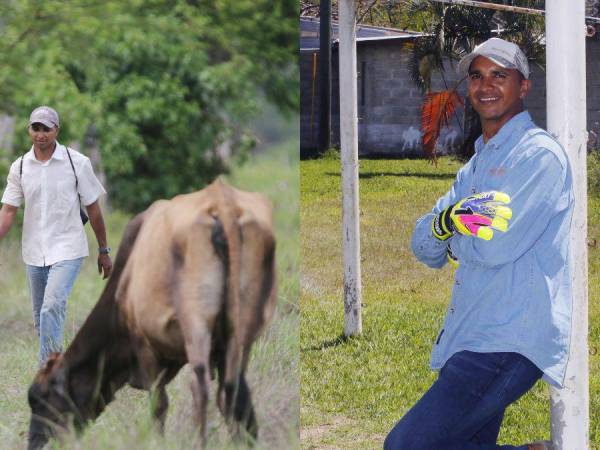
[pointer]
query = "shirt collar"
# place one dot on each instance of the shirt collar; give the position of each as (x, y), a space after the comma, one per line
(59, 153)
(508, 130)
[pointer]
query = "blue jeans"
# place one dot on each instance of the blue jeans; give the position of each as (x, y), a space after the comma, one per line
(49, 287)
(464, 408)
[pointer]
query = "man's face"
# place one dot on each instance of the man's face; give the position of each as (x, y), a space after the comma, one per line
(496, 93)
(43, 137)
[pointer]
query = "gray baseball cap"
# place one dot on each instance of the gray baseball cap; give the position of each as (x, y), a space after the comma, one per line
(504, 53)
(44, 115)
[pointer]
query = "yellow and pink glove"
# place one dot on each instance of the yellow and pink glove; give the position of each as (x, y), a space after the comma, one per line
(477, 215)
(451, 257)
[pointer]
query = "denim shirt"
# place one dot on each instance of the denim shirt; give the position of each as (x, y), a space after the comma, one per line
(512, 293)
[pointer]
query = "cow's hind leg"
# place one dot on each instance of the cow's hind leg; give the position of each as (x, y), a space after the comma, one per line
(198, 356)
(244, 411)
(229, 390)
(236, 407)
(198, 293)
(200, 392)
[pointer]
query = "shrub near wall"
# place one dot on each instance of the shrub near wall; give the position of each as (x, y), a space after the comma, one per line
(593, 172)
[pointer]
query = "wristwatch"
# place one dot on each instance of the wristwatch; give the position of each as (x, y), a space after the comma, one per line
(104, 250)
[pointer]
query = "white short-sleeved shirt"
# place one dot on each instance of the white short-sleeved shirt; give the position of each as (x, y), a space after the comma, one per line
(52, 228)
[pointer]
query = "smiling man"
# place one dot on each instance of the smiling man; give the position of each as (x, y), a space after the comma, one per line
(505, 222)
(53, 182)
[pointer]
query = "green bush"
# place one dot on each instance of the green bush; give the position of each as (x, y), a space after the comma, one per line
(159, 85)
(593, 173)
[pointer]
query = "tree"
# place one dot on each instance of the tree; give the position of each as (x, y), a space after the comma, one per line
(162, 83)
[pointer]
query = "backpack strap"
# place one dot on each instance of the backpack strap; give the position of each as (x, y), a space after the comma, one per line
(72, 167)
(82, 214)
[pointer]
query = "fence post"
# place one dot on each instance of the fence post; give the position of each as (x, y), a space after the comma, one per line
(349, 157)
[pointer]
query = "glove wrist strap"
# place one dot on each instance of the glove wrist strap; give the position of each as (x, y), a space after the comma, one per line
(441, 225)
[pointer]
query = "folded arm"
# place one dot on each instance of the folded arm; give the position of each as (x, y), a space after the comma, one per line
(537, 192)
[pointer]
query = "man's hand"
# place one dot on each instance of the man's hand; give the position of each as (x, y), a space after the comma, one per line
(477, 215)
(104, 265)
(97, 223)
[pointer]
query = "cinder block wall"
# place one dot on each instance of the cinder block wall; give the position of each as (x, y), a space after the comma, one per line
(593, 82)
(536, 100)
(389, 102)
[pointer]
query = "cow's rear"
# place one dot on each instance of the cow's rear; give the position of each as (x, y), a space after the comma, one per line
(207, 289)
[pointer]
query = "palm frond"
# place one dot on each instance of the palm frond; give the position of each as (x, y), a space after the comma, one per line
(465, 26)
(414, 7)
(426, 57)
(436, 112)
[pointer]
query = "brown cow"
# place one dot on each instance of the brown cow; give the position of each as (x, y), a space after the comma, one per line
(194, 281)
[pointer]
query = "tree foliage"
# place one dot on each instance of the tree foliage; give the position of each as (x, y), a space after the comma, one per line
(159, 84)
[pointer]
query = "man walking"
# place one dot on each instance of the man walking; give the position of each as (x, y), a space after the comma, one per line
(506, 223)
(53, 182)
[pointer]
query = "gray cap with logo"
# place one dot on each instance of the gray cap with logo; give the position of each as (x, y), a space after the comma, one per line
(44, 115)
(504, 53)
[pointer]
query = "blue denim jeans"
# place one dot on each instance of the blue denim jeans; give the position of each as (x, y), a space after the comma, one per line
(464, 408)
(49, 287)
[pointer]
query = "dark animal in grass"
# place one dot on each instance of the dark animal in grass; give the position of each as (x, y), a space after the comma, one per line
(193, 282)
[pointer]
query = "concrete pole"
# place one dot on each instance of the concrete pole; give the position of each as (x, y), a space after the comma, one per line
(566, 114)
(349, 157)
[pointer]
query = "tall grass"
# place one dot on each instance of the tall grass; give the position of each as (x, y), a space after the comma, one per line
(273, 372)
(353, 391)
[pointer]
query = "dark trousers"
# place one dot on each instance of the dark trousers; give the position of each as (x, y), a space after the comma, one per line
(464, 408)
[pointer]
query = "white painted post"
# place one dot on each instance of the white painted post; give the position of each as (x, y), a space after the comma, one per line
(349, 157)
(566, 113)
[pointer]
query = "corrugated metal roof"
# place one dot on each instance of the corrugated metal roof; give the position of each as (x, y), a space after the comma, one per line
(309, 33)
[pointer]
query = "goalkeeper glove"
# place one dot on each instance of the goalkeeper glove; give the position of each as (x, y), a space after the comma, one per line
(477, 215)
(451, 257)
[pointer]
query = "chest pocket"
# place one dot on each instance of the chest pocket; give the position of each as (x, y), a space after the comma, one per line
(490, 174)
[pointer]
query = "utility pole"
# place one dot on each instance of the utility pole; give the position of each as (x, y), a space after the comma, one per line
(324, 75)
(566, 118)
(349, 159)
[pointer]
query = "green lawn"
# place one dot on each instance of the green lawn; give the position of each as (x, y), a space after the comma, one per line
(273, 373)
(353, 391)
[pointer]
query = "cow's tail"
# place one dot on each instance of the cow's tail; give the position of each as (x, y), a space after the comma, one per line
(229, 213)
